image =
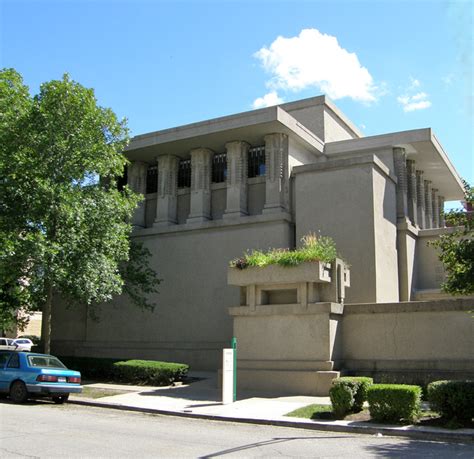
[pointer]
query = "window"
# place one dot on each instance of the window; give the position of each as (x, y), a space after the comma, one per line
(14, 361)
(256, 161)
(219, 167)
(152, 179)
(184, 173)
(49, 362)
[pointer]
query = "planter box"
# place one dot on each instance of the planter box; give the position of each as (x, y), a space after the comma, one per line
(315, 271)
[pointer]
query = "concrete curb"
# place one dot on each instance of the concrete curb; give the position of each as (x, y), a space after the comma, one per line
(429, 435)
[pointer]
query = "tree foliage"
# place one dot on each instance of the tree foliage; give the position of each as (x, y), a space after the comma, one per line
(456, 249)
(61, 229)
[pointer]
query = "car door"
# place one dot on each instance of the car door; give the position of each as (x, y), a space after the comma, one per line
(4, 384)
(12, 370)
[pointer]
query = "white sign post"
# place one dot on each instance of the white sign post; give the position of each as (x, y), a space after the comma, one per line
(227, 376)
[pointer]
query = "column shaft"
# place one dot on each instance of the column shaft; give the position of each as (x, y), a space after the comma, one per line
(276, 173)
(428, 205)
(442, 223)
(435, 204)
(412, 195)
(201, 164)
(137, 182)
(237, 153)
(399, 158)
(420, 199)
(167, 196)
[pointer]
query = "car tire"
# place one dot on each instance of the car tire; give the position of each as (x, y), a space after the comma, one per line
(18, 392)
(60, 399)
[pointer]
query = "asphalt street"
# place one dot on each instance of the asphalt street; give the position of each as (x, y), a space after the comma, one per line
(45, 430)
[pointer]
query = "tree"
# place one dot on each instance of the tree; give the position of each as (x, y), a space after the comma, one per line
(62, 230)
(456, 249)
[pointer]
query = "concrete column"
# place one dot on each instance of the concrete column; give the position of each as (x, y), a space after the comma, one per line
(167, 196)
(435, 204)
(420, 199)
(442, 223)
(412, 195)
(236, 179)
(201, 165)
(428, 205)
(399, 159)
(137, 182)
(276, 173)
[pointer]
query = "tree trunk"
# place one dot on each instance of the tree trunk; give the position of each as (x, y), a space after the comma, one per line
(46, 319)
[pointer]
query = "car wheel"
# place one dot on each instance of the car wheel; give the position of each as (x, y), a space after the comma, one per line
(60, 399)
(18, 392)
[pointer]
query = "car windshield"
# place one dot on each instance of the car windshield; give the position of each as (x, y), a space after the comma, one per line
(44, 361)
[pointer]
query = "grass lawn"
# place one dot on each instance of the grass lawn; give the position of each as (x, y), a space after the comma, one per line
(324, 413)
(93, 392)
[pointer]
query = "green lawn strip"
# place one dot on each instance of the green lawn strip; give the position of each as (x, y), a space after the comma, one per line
(312, 412)
(324, 412)
(94, 392)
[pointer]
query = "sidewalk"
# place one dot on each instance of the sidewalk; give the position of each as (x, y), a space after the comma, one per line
(202, 399)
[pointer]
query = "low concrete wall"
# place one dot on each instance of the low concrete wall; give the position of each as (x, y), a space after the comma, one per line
(412, 341)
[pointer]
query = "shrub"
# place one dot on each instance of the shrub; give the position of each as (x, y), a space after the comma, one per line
(149, 372)
(452, 399)
(342, 397)
(349, 393)
(362, 384)
(129, 371)
(314, 248)
(394, 402)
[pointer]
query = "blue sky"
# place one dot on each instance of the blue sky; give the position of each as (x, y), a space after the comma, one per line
(404, 65)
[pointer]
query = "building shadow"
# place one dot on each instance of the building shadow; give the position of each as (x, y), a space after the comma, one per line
(408, 448)
(273, 441)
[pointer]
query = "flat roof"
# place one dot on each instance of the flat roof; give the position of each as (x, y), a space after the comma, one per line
(421, 145)
(214, 134)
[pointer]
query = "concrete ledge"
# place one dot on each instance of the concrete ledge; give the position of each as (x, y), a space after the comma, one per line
(421, 366)
(287, 309)
(458, 304)
(213, 224)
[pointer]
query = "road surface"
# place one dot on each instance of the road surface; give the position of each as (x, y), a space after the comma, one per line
(45, 430)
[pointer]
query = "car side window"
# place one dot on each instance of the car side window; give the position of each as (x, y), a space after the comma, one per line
(14, 361)
(3, 359)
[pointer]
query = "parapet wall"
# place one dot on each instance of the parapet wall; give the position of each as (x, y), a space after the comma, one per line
(417, 341)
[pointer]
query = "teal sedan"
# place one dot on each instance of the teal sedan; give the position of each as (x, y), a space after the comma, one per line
(26, 374)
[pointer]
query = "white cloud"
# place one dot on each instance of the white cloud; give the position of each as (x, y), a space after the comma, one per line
(418, 101)
(316, 60)
(272, 98)
(414, 83)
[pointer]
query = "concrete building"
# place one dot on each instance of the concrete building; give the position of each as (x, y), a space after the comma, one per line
(263, 179)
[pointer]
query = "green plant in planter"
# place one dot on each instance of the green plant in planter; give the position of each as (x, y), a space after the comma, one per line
(314, 248)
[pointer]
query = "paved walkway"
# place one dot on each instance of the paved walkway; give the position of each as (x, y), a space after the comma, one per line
(202, 399)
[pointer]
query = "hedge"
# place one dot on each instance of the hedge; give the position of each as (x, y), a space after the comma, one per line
(348, 394)
(394, 402)
(452, 399)
(149, 372)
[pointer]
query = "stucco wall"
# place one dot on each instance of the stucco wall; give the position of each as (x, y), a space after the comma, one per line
(429, 271)
(385, 237)
(428, 337)
(334, 128)
(190, 323)
(339, 203)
